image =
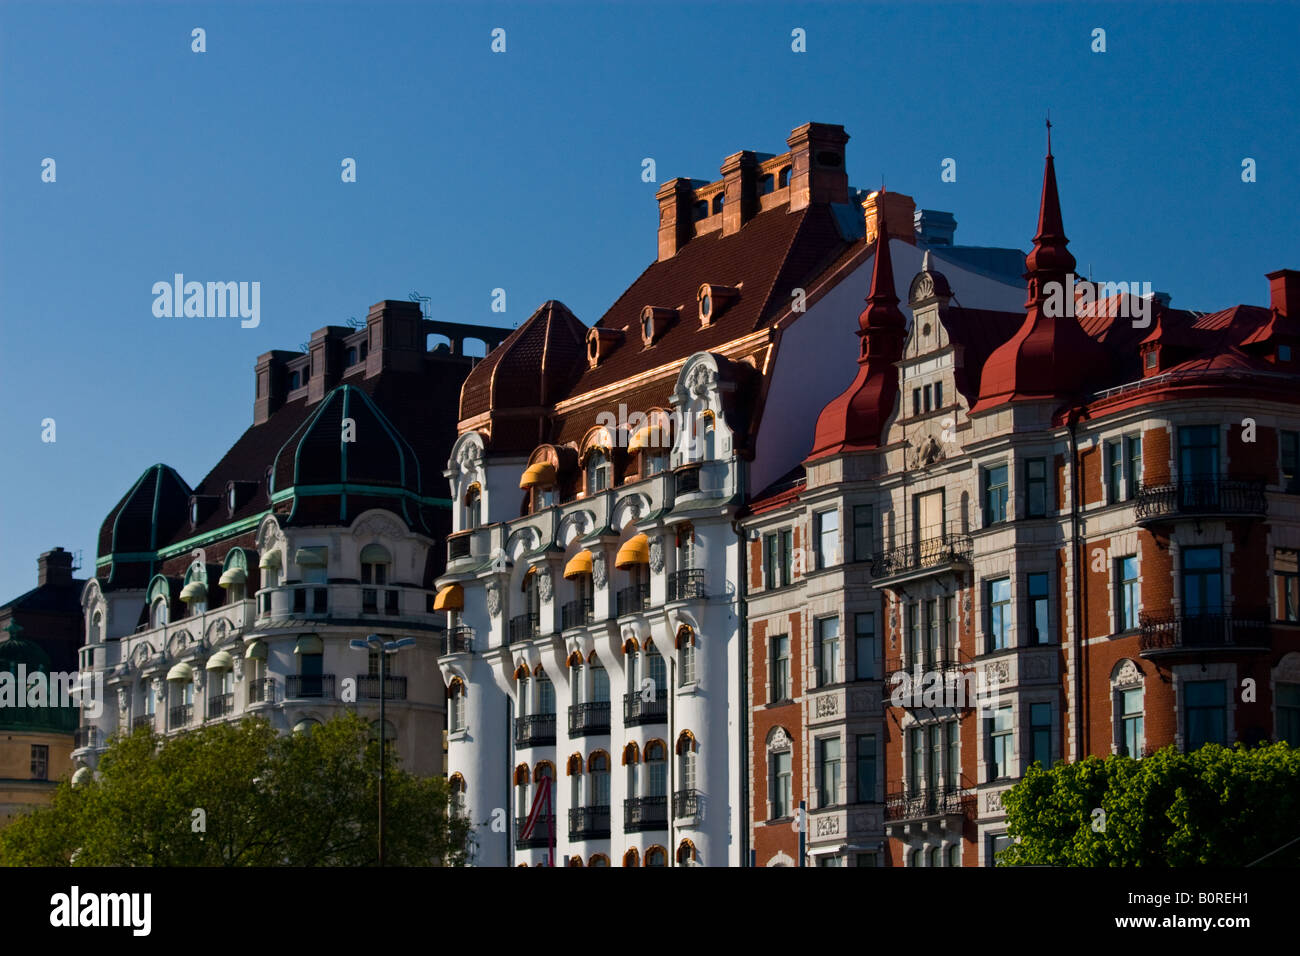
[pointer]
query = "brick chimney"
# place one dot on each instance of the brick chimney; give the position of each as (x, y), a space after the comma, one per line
(740, 188)
(818, 174)
(396, 337)
(1284, 292)
(54, 567)
(676, 221)
(272, 384)
(900, 212)
(326, 350)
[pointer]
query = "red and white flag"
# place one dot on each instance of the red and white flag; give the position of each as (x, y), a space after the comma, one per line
(541, 811)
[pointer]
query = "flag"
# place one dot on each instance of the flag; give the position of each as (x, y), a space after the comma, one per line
(541, 798)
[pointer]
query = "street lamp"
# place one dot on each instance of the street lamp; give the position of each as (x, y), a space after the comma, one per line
(374, 642)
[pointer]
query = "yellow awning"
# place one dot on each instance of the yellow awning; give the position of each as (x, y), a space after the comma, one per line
(232, 576)
(194, 591)
(181, 672)
(220, 661)
(539, 475)
(450, 598)
(647, 437)
(636, 551)
(255, 651)
(580, 563)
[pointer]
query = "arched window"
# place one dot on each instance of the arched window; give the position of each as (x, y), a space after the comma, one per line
(456, 785)
(656, 766)
(632, 858)
(707, 437)
(1129, 714)
(656, 856)
(657, 671)
(686, 654)
(473, 508)
(599, 471)
(573, 768)
(700, 210)
(575, 861)
(783, 177)
(598, 788)
(376, 564)
(718, 200)
(632, 760)
(914, 858)
(935, 859)
(158, 612)
(456, 705)
(686, 853)
(545, 694)
(96, 628)
(304, 726)
(522, 778)
(599, 859)
(766, 184)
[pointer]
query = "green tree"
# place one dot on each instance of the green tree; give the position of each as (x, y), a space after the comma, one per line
(1217, 806)
(241, 795)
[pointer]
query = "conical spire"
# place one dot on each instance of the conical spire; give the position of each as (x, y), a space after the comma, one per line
(882, 302)
(1049, 257)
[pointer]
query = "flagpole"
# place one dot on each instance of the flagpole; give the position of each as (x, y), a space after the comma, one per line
(550, 813)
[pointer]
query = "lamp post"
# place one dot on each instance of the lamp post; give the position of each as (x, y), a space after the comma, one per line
(374, 642)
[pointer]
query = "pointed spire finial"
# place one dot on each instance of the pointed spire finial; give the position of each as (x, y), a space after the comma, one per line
(1049, 132)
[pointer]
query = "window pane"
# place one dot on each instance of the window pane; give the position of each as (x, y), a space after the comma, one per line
(864, 626)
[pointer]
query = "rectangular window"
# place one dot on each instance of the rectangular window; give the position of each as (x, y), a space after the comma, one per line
(1114, 471)
(996, 845)
(1202, 581)
(1126, 610)
(1286, 585)
(1288, 713)
(928, 392)
(826, 530)
(1130, 717)
(1132, 466)
(935, 738)
(933, 650)
(150, 702)
(866, 746)
(1035, 487)
(780, 668)
(1207, 713)
(917, 748)
(916, 401)
(997, 594)
(864, 645)
(780, 558)
(914, 634)
(781, 786)
(949, 636)
(999, 734)
(40, 762)
(863, 532)
(938, 394)
(1289, 443)
(952, 753)
(995, 495)
(828, 645)
(828, 762)
(1039, 612)
(1198, 458)
(1040, 734)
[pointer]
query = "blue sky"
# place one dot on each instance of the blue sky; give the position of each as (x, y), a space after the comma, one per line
(522, 171)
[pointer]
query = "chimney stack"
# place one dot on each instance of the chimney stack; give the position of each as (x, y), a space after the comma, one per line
(676, 221)
(326, 360)
(818, 176)
(1284, 292)
(272, 384)
(54, 567)
(396, 331)
(899, 211)
(740, 189)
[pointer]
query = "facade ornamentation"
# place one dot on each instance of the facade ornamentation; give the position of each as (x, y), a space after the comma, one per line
(494, 599)
(545, 585)
(657, 554)
(598, 569)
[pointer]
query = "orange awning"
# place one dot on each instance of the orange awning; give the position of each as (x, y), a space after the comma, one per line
(636, 551)
(579, 564)
(538, 475)
(450, 598)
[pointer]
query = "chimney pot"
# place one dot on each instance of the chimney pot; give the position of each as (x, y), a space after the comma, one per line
(1284, 292)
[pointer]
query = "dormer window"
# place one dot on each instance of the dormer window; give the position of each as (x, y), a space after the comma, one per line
(350, 358)
(600, 342)
(194, 511)
(1151, 359)
(654, 323)
(599, 471)
(231, 499)
(714, 300)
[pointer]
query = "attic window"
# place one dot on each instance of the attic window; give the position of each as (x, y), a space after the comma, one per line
(700, 210)
(717, 203)
(1284, 353)
(654, 323)
(231, 498)
(1151, 359)
(767, 184)
(714, 300)
(194, 512)
(783, 178)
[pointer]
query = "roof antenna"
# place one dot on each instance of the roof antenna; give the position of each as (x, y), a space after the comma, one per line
(1049, 132)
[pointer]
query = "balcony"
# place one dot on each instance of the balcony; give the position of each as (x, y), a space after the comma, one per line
(934, 804)
(262, 691)
(523, 628)
(687, 803)
(458, 545)
(592, 718)
(180, 716)
(931, 557)
(458, 640)
(637, 711)
(1240, 630)
(368, 687)
(633, 600)
(222, 705)
(142, 720)
(541, 837)
(1201, 498)
(370, 601)
(535, 730)
(589, 823)
(687, 585)
(575, 614)
(298, 686)
(687, 479)
(310, 599)
(645, 813)
(84, 737)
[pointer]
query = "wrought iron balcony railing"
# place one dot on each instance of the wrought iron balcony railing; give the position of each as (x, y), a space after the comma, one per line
(902, 805)
(458, 640)
(535, 730)
(645, 813)
(575, 613)
(687, 585)
(368, 687)
(687, 803)
(637, 710)
(220, 706)
(932, 554)
(142, 720)
(308, 685)
(1242, 628)
(634, 599)
(589, 823)
(523, 627)
(541, 836)
(1202, 497)
(589, 718)
(180, 716)
(262, 691)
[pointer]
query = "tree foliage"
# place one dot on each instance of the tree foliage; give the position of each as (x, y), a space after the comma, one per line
(242, 795)
(1215, 806)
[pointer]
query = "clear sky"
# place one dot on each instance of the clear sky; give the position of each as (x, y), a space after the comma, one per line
(522, 170)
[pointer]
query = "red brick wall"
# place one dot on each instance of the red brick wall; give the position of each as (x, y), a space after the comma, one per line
(1157, 569)
(1096, 585)
(1257, 459)
(1155, 456)
(756, 564)
(770, 839)
(1090, 469)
